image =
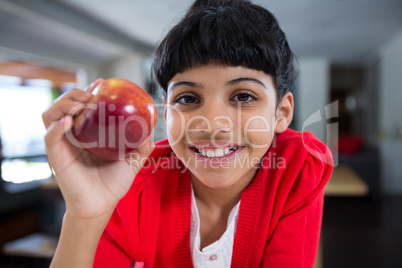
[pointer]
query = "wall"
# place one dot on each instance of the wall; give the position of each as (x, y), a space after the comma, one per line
(129, 66)
(312, 96)
(390, 115)
(371, 102)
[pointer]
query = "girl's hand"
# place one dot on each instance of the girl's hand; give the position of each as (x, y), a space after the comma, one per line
(91, 186)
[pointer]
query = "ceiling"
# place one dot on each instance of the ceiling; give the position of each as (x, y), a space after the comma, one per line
(93, 32)
(348, 30)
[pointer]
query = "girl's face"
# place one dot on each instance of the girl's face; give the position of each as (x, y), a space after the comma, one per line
(221, 121)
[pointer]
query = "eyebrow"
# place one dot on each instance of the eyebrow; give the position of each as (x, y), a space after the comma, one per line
(245, 79)
(230, 83)
(183, 83)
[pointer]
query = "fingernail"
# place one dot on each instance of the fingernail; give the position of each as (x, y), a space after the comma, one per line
(96, 81)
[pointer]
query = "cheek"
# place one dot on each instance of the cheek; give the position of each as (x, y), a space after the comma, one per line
(259, 130)
(175, 125)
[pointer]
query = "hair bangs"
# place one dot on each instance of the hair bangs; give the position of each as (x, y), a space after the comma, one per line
(244, 35)
(225, 40)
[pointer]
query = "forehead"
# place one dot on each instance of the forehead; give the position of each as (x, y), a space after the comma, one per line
(220, 74)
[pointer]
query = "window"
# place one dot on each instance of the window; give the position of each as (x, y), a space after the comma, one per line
(21, 127)
(22, 132)
(23, 98)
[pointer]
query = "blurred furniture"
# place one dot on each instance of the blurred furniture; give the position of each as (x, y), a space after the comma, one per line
(35, 245)
(30, 219)
(345, 181)
(19, 211)
(366, 164)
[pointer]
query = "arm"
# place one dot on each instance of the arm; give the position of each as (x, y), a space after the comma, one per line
(294, 242)
(91, 187)
(78, 241)
(296, 238)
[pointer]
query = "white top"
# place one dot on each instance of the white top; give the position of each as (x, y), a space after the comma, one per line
(219, 253)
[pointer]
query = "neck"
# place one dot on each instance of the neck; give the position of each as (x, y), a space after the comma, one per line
(222, 198)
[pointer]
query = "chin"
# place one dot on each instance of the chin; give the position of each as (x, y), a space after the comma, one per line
(214, 180)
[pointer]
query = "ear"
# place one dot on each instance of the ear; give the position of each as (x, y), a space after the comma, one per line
(284, 113)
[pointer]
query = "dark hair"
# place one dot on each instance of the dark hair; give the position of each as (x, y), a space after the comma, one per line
(228, 32)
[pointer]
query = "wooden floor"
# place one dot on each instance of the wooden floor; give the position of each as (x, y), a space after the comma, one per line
(361, 232)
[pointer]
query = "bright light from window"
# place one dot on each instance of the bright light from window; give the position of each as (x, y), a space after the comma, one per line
(19, 171)
(22, 132)
(21, 128)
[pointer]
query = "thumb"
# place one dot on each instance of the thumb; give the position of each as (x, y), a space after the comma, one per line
(147, 147)
(139, 157)
(57, 129)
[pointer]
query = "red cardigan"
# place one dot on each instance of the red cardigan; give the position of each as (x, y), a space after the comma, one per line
(279, 219)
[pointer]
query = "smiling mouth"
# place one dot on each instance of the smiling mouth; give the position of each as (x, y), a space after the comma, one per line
(218, 152)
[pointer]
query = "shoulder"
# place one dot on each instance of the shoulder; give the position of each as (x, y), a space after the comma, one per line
(300, 165)
(304, 145)
(306, 138)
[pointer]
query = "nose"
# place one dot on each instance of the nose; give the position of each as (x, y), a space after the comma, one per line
(213, 119)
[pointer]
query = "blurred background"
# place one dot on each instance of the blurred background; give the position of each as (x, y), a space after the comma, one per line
(349, 93)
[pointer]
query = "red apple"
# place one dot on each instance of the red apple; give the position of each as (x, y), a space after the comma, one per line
(116, 121)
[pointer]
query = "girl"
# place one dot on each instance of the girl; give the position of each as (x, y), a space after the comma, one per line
(231, 186)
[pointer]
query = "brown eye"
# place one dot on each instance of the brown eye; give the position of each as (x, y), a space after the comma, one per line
(186, 99)
(243, 97)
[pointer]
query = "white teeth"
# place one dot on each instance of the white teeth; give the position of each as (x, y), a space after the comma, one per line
(210, 153)
(217, 152)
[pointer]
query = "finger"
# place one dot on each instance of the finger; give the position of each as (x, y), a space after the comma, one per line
(76, 95)
(56, 143)
(60, 110)
(55, 135)
(68, 103)
(94, 84)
